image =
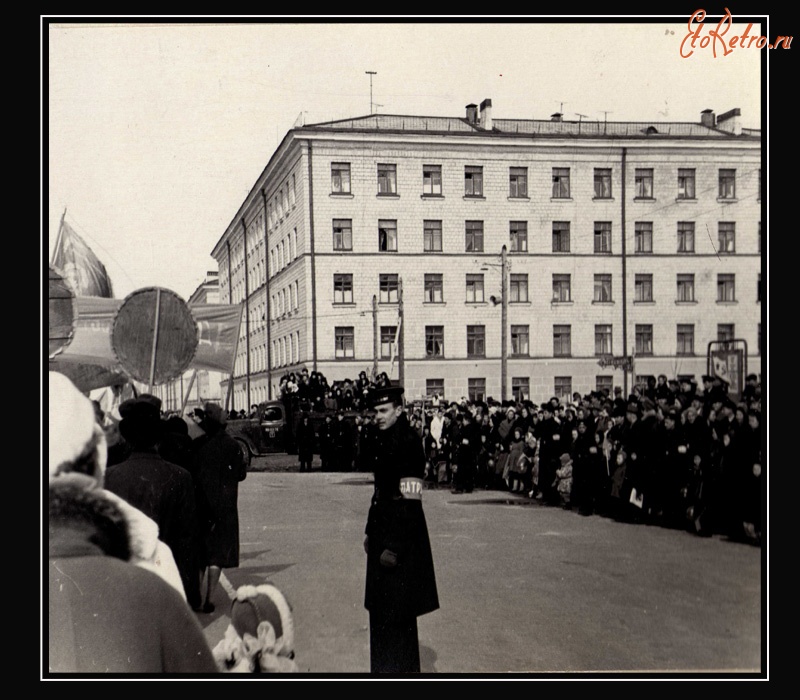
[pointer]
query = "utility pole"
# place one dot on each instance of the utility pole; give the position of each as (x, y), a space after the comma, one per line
(624, 273)
(374, 336)
(370, 73)
(504, 324)
(401, 370)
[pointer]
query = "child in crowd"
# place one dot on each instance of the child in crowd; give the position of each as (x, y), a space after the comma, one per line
(563, 480)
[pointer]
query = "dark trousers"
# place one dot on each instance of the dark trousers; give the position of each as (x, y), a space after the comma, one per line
(393, 645)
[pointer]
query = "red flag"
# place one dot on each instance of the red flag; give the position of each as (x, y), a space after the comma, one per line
(79, 265)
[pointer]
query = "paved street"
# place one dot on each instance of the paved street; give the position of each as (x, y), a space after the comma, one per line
(524, 588)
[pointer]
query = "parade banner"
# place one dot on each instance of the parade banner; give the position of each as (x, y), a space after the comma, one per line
(89, 359)
(82, 269)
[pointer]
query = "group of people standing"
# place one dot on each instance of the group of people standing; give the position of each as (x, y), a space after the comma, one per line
(189, 487)
(142, 519)
(670, 453)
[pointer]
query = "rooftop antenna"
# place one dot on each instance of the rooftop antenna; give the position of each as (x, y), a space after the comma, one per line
(370, 73)
(605, 118)
(581, 117)
(561, 108)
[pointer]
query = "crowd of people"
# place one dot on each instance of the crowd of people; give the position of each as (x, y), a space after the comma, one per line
(670, 453)
(311, 391)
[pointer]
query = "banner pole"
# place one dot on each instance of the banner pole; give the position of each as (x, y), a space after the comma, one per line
(155, 341)
(233, 360)
(188, 391)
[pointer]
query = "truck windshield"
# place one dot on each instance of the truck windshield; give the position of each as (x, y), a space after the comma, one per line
(272, 413)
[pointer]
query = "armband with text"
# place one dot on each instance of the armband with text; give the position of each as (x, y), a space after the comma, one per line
(411, 487)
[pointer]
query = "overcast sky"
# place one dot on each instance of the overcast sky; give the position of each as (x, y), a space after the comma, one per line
(157, 132)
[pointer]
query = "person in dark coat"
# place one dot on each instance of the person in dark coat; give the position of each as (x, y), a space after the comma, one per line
(400, 580)
(583, 472)
(344, 442)
(218, 469)
(549, 437)
(670, 469)
(467, 445)
(160, 489)
(753, 478)
(175, 445)
(327, 442)
(306, 442)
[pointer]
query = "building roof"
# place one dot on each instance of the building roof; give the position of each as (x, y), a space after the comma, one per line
(543, 128)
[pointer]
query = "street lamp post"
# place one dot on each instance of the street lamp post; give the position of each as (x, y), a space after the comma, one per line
(503, 319)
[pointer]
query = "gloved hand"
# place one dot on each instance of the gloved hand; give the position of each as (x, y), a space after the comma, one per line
(388, 558)
(366, 545)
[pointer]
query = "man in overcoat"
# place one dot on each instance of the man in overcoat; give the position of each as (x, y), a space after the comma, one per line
(160, 489)
(400, 582)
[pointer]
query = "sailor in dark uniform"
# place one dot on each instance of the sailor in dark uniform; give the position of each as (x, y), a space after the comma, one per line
(400, 583)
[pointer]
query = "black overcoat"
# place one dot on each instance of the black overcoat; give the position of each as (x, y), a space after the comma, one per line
(396, 522)
(218, 468)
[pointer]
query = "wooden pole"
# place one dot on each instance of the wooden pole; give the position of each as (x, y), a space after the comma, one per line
(188, 391)
(59, 235)
(233, 361)
(155, 341)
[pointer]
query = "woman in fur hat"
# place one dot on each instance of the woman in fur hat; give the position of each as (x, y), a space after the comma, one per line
(105, 614)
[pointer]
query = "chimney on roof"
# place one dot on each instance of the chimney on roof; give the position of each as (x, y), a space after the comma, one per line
(486, 114)
(731, 121)
(556, 117)
(472, 113)
(707, 118)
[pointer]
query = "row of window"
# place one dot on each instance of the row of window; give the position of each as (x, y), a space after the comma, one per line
(284, 199)
(518, 182)
(520, 387)
(433, 288)
(283, 253)
(344, 340)
(518, 236)
(286, 350)
(285, 300)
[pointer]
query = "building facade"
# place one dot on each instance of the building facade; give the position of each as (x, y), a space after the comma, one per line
(194, 387)
(482, 257)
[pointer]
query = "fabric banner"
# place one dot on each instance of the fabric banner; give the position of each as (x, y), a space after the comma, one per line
(89, 359)
(80, 266)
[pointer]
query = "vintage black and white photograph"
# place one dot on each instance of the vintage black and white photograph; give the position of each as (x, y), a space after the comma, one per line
(406, 348)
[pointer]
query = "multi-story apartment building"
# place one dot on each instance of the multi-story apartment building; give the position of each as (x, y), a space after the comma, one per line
(514, 255)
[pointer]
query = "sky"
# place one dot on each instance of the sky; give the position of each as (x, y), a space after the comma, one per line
(156, 132)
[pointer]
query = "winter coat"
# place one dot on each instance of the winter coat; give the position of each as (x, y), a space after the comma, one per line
(218, 469)
(164, 492)
(106, 615)
(396, 522)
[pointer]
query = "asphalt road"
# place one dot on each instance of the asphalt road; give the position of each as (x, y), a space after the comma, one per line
(524, 588)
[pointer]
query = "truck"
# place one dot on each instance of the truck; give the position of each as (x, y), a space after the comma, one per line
(272, 430)
(264, 433)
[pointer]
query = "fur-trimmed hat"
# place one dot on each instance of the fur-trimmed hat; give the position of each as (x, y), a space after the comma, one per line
(260, 637)
(77, 443)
